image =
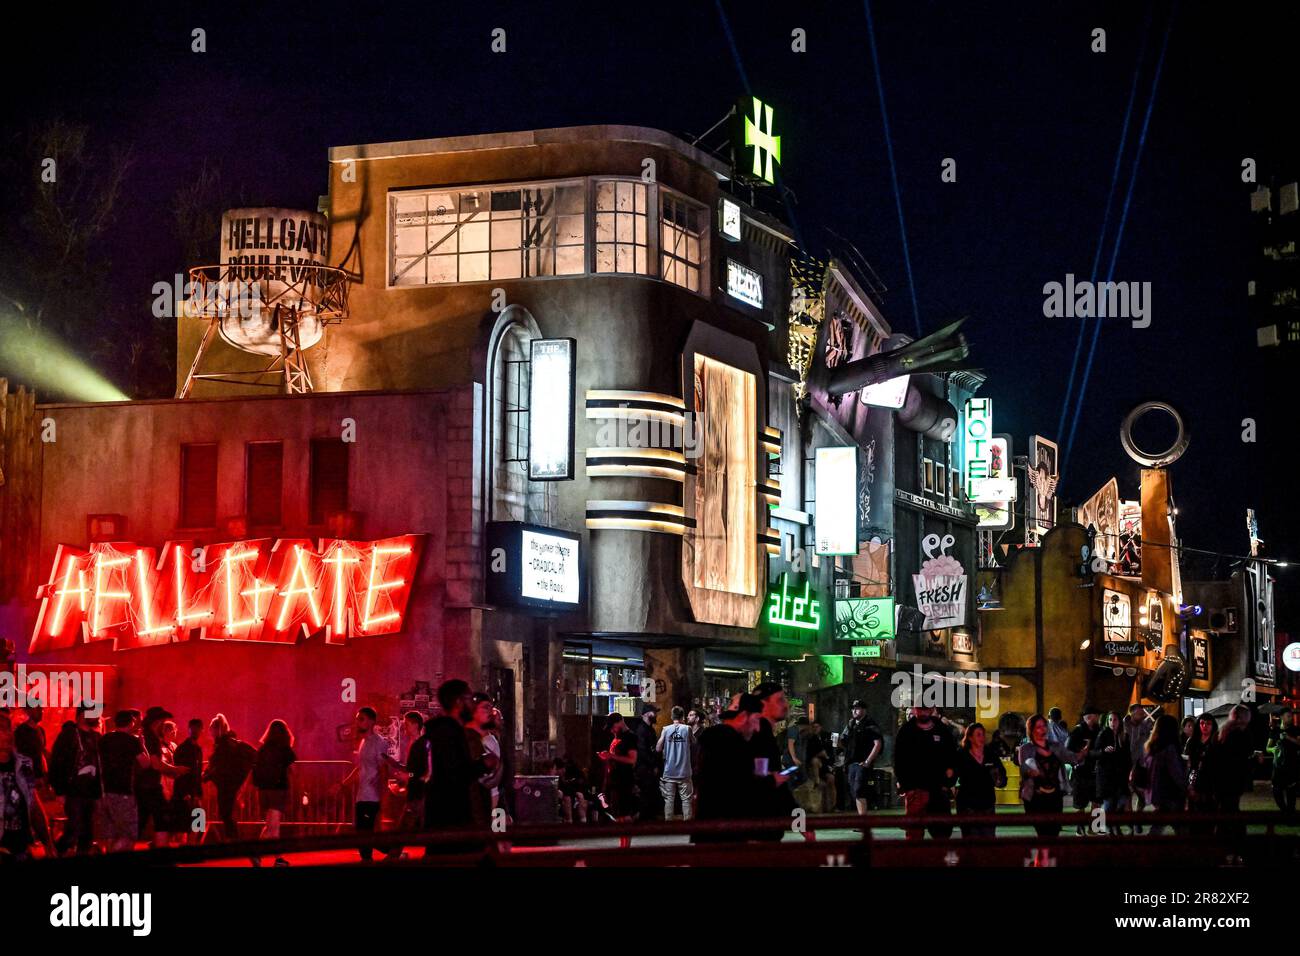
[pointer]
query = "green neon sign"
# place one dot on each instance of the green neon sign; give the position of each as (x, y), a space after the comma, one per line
(759, 136)
(786, 608)
(863, 651)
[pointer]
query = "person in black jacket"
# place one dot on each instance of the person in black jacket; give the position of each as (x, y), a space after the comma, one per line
(979, 774)
(1113, 765)
(1234, 765)
(650, 801)
(1083, 781)
(77, 776)
(1202, 755)
(188, 792)
(925, 760)
(729, 785)
(228, 768)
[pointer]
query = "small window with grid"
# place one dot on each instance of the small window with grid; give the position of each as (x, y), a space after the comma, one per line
(472, 235)
(622, 227)
(684, 232)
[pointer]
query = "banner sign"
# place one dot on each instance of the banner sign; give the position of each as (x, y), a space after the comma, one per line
(941, 586)
(267, 591)
(861, 619)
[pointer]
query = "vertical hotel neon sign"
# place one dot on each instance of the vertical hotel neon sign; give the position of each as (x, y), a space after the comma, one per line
(264, 591)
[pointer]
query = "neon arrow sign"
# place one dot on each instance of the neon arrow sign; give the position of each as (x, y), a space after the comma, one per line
(785, 609)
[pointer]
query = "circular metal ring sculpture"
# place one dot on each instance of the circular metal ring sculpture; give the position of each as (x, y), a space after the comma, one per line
(1153, 460)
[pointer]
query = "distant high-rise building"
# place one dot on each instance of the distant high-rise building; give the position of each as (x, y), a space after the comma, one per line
(1274, 286)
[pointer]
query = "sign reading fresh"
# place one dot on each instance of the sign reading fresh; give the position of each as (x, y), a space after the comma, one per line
(941, 585)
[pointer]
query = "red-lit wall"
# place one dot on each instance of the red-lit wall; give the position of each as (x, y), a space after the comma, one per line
(413, 468)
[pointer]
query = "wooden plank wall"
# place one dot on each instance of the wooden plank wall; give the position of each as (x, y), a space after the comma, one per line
(20, 480)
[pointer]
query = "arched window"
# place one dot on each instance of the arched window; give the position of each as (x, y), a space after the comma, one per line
(512, 496)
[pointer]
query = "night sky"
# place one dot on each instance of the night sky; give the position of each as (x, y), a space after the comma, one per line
(1011, 91)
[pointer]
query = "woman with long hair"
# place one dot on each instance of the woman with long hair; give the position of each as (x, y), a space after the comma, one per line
(271, 778)
(1113, 765)
(1201, 754)
(979, 774)
(1168, 772)
(1043, 781)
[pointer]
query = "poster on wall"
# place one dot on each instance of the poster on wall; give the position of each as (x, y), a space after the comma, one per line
(1044, 474)
(941, 585)
(1200, 657)
(999, 513)
(1128, 557)
(1101, 513)
(542, 567)
(1116, 617)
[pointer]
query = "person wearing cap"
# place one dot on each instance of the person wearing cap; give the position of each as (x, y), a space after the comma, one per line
(729, 786)
(1083, 779)
(925, 770)
(862, 743)
(650, 800)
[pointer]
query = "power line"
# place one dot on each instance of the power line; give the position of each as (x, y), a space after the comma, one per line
(1105, 222)
(1119, 236)
(893, 169)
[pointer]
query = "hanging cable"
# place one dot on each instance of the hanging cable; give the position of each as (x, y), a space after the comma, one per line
(893, 169)
(1105, 222)
(1119, 235)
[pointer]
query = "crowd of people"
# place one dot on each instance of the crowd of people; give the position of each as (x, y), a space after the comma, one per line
(137, 780)
(749, 761)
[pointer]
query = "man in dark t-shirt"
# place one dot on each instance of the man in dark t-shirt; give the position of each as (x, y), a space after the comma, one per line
(620, 770)
(729, 786)
(122, 756)
(862, 743)
(780, 800)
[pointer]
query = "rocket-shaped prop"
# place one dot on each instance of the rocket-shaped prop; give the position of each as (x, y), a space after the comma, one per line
(942, 351)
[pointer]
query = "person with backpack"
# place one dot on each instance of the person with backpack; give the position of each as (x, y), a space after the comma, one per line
(678, 746)
(228, 768)
(77, 777)
(271, 778)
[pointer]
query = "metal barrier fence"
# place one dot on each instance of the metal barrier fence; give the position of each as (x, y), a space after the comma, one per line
(1249, 839)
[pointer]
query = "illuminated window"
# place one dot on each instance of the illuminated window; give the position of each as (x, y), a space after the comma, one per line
(198, 486)
(683, 241)
(725, 530)
(927, 482)
(473, 235)
(622, 227)
(263, 472)
(940, 480)
(514, 497)
(954, 479)
(329, 479)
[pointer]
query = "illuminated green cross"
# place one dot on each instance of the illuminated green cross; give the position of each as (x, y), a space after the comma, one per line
(764, 143)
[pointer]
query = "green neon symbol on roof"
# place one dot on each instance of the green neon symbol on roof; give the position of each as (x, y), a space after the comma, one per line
(758, 134)
(787, 609)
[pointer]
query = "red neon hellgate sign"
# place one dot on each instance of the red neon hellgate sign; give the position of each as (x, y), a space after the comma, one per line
(264, 590)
